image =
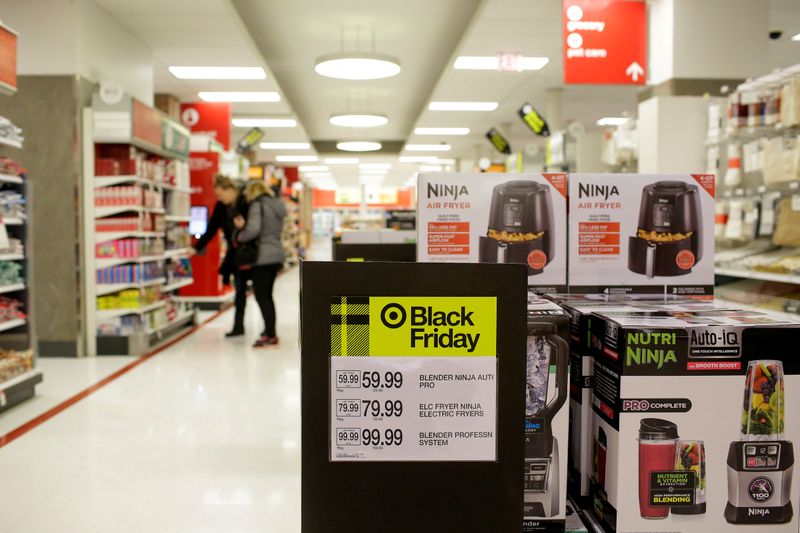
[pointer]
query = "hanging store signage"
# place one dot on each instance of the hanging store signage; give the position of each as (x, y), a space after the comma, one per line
(498, 141)
(209, 118)
(534, 120)
(605, 41)
(250, 139)
(8, 59)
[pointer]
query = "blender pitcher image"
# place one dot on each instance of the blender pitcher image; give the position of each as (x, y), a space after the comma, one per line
(545, 348)
(520, 226)
(657, 445)
(668, 241)
(760, 464)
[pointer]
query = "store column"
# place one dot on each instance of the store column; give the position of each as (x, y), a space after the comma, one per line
(695, 49)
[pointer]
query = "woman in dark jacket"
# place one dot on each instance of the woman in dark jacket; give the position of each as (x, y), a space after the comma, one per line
(264, 224)
(230, 204)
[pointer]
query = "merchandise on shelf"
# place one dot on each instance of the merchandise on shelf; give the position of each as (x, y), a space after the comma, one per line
(129, 248)
(9, 167)
(15, 247)
(123, 325)
(129, 299)
(178, 203)
(9, 131)
(127, 160)
(14, 363)
(12, 204)
(178, 237)
(11, 273)
(179, 270)
(130, 273)
(141, 222)
(10, 309)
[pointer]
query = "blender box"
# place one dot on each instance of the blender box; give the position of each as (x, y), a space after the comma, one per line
(641, 233)
(694, 420)
(496, 218)
(546, 417)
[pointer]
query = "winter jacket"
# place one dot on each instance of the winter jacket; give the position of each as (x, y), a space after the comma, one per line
(265, 223)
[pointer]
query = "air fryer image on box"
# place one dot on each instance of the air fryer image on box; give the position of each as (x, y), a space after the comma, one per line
(496, 218)
(668, 240)
(521, 228)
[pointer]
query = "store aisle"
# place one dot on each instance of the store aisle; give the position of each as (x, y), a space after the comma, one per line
(203, 437)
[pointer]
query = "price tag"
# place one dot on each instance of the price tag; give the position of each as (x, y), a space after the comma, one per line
(413, 379)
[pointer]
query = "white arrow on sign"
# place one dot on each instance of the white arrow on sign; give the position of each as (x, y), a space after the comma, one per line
(634, 70)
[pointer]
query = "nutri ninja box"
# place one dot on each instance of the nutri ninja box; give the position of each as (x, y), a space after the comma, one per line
(496, 218)
(641, 233)
(695, 416)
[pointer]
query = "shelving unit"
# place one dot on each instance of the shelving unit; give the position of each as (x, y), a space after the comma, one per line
(16, 337)
(125, 329)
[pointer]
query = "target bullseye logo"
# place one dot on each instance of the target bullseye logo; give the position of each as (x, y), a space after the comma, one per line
(393, 315)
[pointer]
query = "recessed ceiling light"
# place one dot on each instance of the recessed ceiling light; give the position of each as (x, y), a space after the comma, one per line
(313, 168)
(493, 63)
(359, 120)
(357, 66)
(441, 131)
(612, 121)
(239, 96)
(284, 146)
(428, 147)
(262, 122)
(358, 146)
(418, 159)
(296, 158)
(462, 106)
(796, 37)
(218, 73)
(341, 160)
(375, 166)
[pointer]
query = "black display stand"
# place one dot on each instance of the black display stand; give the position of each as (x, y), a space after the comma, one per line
(389, 497)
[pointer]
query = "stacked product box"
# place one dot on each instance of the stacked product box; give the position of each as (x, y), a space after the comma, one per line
(546, 416)
(640, 233)
(694, 419)
(496, 218)
(130, 273)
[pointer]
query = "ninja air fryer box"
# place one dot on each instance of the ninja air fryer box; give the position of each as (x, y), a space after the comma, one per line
(546, 416)
(695, 416)
(496, 218)
(641, 233)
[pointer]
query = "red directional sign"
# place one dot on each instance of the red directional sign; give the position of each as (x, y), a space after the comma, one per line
(605, 41)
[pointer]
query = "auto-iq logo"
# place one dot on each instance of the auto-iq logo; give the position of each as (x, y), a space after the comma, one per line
(761, 489)
(385, 326)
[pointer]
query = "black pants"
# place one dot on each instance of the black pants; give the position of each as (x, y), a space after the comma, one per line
(240, 278)
(263, 277)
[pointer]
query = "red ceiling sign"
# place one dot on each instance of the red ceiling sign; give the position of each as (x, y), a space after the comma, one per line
(8, 58)
(605, 41)
(209, 118)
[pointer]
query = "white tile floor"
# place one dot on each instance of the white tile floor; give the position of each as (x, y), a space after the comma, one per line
(203, 437)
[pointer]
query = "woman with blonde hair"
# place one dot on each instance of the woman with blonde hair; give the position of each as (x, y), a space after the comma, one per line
(264, 225)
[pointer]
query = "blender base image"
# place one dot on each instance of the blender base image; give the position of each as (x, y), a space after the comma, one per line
(545, 347)
(760, 464)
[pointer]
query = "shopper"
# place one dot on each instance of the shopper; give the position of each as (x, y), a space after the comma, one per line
(264, 225)
(230, 204)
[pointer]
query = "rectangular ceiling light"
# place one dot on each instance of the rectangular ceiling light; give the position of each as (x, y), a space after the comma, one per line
(612, 121)
(284, 146)
(493, 63)
(218, 73)
(428, 147)
(796, 37)
(441, 131)
(313, 168)
(462, 106)
(373, 172)
(375, 166)
(418, 159)
(296, 158)
(263, 122)
(341, 160)
(239, 96)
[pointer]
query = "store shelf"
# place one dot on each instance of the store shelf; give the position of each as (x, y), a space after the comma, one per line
(106, 236)
(10, 142)
(179, 321)
(4, 289)
(11, 221)
(11, 324)
(19, 388)
(12, 257)
(8, 178)
(147, 147)
(106, 263)
(179, 252)
(753, 274)
(108, 314)
(110, 288)
(177, 218)
(106, 211)
(177, 285)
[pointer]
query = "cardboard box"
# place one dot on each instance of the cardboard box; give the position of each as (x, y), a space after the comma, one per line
(641, 233)
(496, 218)
(675, 446)
(547, 417)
